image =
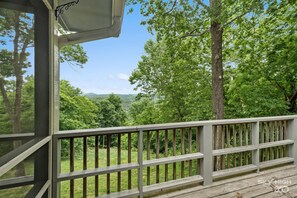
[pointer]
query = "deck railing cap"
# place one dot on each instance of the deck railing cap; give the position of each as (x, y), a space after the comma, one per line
(128, 129)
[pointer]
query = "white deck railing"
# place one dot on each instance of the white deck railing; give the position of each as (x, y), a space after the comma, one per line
(172, 156)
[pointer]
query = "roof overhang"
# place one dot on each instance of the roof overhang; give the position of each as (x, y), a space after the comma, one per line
(90, 20)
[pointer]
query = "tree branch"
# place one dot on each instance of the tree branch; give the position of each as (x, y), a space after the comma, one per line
(203, 5)
(294, 92)
(294, 96)
(237, 17)
(16, 39)
(173, 6)
(283, 89)
(191, 34)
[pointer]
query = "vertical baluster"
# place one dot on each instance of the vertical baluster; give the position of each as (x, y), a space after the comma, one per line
(148, 157)
(246, 134)
(119, 161)
(271, 140)
(96, 166)
(285, 137)
(157, 156)
(71, 166)
(174, 152)
(197, 150)
(108, 163)
(267, 140)
(281, 138)
(223, 128)
(228, 145)
(240, 144)
(166, 154)
(234, 144)
(182, 152)
(276, 139)
(129, 161)
(214, 129)
(190, 150)
(85, 150)
(214, 135)
(140, 162)
(250, 128)
(262, 139)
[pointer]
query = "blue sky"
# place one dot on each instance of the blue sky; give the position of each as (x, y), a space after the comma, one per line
(111, 61)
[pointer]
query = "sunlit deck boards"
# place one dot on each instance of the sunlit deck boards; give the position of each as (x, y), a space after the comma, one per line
(250, 185)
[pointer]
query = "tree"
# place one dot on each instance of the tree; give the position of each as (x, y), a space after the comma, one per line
(281, 55)
(76, 112)
(250, 94)
(143, 111)
(262, 58)
(180, 86)
(110, 112)
(19, 27)
(176, 20)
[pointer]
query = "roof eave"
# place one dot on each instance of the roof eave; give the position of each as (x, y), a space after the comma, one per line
(85, 36)
(81, 37)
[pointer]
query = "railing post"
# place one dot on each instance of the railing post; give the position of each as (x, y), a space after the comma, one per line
(56, 166)
(292, 135)
(255, 142)
(206, 167)
(140, 162)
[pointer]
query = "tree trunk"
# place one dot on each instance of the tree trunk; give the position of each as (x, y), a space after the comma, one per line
(20, 168)
(216, 31)
(18, 64)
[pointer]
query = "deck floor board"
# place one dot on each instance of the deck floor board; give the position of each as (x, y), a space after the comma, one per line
(245, 186)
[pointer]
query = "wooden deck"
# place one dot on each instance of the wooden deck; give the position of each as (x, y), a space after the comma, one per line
(250, 185)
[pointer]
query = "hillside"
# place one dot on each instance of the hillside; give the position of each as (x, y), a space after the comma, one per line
(127, 99)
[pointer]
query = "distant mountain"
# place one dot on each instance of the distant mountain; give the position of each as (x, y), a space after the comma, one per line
(127, 99)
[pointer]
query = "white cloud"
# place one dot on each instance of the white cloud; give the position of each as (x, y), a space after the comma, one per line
(123, 76)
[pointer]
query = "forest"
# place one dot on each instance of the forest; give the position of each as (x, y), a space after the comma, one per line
(215, 60)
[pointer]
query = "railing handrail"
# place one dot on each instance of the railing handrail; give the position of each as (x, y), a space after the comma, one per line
(129, 129)
(18, 136)
(282, 132)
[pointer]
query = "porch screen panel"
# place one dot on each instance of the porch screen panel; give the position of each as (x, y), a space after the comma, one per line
(16, 97)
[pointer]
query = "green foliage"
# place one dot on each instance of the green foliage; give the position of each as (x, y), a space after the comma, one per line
(126, 99)
(144, 111)
(181, 84)
(263, 68)
(27, 119)
(110, 112)
(259, 58)
(73, 54)
(250, 94)
(76, 110)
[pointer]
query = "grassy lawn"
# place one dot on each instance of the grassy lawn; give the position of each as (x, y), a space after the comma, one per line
(65, 186)
(78, 183)
(78, 165)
